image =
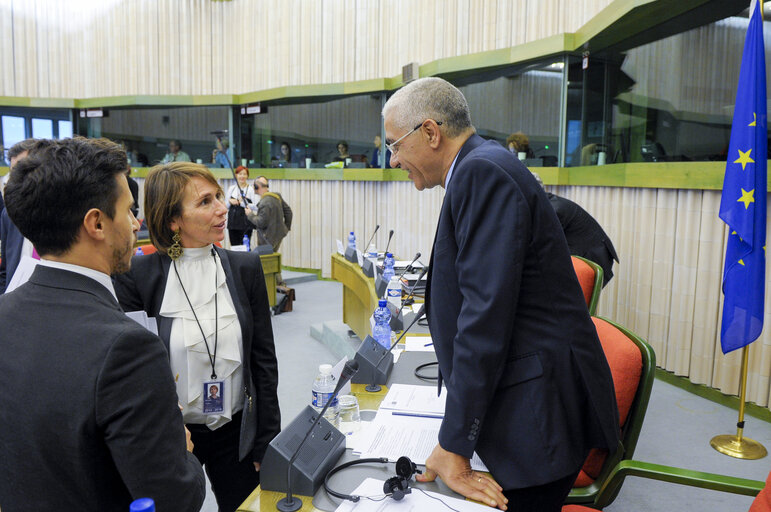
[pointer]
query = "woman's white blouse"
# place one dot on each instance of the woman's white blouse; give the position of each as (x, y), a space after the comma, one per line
(189, 359)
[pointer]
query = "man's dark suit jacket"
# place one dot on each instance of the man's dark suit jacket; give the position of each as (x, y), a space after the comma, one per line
(584, 235)
(10, 252)
(528, 385)
(88, 410)
(142, 288)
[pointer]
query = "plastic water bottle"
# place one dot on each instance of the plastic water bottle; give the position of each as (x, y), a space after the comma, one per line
(246, 242)
(388, 266)
(394, 292)
(323, 388)
(372, 252)
(352, 240)
(139, 252)
(382, 330)
(142, 505)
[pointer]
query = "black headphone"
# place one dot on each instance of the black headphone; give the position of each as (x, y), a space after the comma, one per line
(396, 487)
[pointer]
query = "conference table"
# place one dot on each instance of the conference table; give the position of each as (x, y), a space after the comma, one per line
(359, 300)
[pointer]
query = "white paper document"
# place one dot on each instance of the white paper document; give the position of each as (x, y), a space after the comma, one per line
(406, 263)
(340, 248)
(394, 434)
(415, 399)
(417, 500)
(418, 344)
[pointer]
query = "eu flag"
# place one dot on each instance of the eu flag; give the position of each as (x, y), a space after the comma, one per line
(743, 203)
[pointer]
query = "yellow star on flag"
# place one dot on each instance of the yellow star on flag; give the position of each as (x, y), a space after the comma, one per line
(754, 120)
(741, 262)
(747, 198)
(744, 158)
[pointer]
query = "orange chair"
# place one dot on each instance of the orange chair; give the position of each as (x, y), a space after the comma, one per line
(147, 248)
(590, 277)
(632, 365)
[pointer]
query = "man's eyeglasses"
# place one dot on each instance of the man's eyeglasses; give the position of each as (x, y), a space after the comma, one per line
(393, 148)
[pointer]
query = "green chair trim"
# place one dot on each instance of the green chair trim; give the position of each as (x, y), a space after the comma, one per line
(630, 433)
(674, 475)
(598, 278)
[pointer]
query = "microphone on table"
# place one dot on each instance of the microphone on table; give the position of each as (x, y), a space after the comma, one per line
(373, 387)
(290, 503)
(417, 255)
(371, 238)
(390, 236)
(412, 290)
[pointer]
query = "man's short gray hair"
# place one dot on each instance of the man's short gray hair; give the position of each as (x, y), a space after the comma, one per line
(429, 98)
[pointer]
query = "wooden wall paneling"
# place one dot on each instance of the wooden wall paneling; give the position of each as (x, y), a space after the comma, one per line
(662, 269)
(709, 274)
(683, 283)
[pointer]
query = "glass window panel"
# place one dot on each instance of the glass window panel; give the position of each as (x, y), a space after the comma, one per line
(523, 106)
(65, 129)
(312, 131)
(147, 132)
(642, 105)
(42, 128)
(13, 132)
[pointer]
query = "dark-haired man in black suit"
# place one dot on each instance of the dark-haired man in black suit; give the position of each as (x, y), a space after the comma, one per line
(88, 411)
(528, 386)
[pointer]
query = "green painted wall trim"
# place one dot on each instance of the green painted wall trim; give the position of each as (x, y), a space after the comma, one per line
(672, 175)
(20, 101)
(712, 394)
(157, 101)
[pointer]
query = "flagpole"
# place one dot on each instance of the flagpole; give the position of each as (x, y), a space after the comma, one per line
(739, 446)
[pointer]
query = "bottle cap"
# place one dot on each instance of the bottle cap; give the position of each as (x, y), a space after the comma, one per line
(142, 505)
(389, 255)
(382, 303)
(325, 369)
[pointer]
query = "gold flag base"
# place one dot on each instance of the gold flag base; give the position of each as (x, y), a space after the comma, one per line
(743, 448)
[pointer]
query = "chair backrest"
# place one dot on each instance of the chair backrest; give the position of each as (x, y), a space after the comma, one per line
(148, 249)
(632, 365)
(590, 278)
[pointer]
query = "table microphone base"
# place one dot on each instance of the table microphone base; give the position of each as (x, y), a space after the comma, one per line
(372, 388)
(288, 504)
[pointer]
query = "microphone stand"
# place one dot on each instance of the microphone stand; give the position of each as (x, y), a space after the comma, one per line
(390, 236)
(371, 238)
(289, 503)
(373, 387)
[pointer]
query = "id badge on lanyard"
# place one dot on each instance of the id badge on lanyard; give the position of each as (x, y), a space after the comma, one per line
(213, 402)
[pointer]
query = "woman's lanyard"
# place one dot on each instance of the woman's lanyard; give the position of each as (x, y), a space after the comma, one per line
(212, 358)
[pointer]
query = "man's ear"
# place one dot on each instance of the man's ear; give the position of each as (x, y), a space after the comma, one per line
(93, 223)
(432, 133)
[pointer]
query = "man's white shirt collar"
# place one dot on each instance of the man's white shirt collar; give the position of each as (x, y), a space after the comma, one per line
(99, 277)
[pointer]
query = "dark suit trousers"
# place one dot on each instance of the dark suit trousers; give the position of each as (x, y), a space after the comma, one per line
(541, 498)
(232, 481)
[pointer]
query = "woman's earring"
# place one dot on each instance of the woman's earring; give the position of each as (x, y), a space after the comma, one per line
(175, 251)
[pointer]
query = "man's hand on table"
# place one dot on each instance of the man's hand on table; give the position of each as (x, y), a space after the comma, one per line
(455, 471)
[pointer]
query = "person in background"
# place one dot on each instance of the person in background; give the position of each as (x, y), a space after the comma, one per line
(528, 386)
(273, 218)
(214, 318)
(519, 143)
(13, 245)
(342, 151)
(240, 199)
(584, 235)
(285, 154)
(98, 424)
(377, 155)
(175, 153)
(219, 156)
